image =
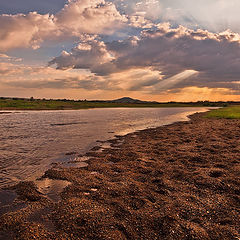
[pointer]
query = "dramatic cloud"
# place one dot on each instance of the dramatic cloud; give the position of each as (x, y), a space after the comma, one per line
(48, 82)
(76, 18)
(89, 16)
(156, 48)
(47, 77)
(24, 30)
(93, 53)
(176, 53)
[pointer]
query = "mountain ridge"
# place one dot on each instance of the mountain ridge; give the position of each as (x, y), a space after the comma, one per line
(129, 100)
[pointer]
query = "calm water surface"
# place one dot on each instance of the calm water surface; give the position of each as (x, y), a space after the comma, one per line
(30, 141)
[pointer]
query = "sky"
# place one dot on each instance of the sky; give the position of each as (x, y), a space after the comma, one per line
(161, 50)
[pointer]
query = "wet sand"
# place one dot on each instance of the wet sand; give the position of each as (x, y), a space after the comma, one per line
(180, 181)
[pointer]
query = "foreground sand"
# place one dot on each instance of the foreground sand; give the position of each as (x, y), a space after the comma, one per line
(180, 181)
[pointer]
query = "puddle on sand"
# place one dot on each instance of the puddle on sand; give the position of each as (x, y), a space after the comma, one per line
(74, 164)
(107, 145)
(77, 162)
(101, 146)
(52, 188)
(70, 164)
(82, 158)
(7, 204)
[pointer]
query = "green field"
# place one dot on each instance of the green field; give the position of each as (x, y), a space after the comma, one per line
(231, 112)
(37, 104)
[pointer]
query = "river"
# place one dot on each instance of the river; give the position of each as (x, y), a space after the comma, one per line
(30, 141)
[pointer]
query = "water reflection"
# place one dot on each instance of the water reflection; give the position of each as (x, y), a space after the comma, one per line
(31, 141)
(8, 202)
(51, 187)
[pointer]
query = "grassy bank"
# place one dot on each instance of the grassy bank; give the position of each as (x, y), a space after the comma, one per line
(231, 112)
(37, 104)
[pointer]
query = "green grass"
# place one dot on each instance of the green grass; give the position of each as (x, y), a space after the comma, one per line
(232, 112)
(26, 104)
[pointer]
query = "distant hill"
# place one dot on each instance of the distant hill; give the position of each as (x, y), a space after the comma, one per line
(129, 100)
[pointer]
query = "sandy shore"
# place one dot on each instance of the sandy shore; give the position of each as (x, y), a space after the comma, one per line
(180, 181)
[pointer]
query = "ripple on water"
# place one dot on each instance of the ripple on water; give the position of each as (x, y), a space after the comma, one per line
(31, 141)
(7, 202)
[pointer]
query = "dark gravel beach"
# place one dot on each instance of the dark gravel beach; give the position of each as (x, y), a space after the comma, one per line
(180, 181)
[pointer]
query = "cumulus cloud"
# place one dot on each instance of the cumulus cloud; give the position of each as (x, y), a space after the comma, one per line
(150, 9)
(76, 18)
(93, 53)
(24, 30)
(151, 57)
(215, 57)
(139, 22)
(89, 16)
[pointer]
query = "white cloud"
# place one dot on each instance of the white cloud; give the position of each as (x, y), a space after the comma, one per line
(24, 30)
(140, 22)
(93, 53)
(89, 16)
(150, 9)
(76, 18)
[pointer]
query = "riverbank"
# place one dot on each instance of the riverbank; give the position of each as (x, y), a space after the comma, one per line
(179, 181)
